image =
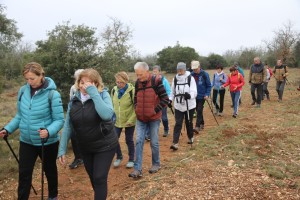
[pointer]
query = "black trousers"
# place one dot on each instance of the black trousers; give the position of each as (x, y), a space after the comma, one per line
(76, 151)
(259, 92)
(178, 124)
(97, 166)
(27, 156)
(200, 106)
(220, 94)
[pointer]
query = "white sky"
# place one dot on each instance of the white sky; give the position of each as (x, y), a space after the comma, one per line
(209, 26)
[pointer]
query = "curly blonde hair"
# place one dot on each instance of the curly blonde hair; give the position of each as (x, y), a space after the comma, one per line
(93, 75)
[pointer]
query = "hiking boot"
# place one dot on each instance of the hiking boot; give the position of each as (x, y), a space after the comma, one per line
(130, 164)
(253, 103)
(76, 163)
(166, 133)
(220, 114)
(196, 130)
(118, 162)
(174, 146)
(234, 115)
(135, 174)
(191, 140)
(147, 138)
(154, 169)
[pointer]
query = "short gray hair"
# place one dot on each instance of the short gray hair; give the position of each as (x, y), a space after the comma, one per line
(77, 73)
(143, 65)
(156, 67)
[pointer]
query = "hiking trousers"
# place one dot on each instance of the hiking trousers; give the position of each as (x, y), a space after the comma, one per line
(97, 166)
(28, 155)
(178, 124)
(259, 92)
(279, 88)
(220, 94)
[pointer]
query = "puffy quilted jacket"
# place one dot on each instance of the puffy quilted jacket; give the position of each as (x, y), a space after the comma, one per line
(35, 113)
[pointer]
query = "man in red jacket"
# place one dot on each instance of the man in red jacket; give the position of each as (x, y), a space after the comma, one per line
(149, 99)
(235, 81)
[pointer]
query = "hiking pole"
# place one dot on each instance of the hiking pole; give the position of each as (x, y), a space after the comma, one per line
(212, 112)
(43, 141)
(5, 138)
(189, 122)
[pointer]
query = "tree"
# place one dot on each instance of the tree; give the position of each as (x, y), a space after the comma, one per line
(283, 43)
(296, 54)
(214, 60)
(9, 39)
(115, 50)
(170, 56)
(67, 48)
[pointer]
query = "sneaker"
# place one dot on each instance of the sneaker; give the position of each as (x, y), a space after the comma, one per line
(258, 106)
(154, 169)
(220, 114)
(147, 138)
(196, 130)
(174, 146)
(76, 163)
(234, 115)
(130, 164)
(135, 174)
(253, 103)
(118, 162)
(166, 133)
(191, 140)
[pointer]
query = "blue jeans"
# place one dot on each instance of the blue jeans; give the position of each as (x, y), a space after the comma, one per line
(164, 119)
(235, 96)
(141, 128)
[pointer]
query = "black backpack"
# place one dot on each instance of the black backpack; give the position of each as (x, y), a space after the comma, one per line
(144, 88)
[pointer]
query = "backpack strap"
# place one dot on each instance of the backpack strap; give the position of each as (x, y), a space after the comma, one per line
(50, 96)
(153, 85)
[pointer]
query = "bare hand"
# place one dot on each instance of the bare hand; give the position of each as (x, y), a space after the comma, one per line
(235, 88)
(3, 133)
(62, 160)
(43, 133)
(87, 84)
(206, 97)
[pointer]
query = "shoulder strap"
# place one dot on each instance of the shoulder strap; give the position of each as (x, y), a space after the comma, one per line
(50, 96)
(22, 92)
(113, 92)
(189, 80)
(131, 96)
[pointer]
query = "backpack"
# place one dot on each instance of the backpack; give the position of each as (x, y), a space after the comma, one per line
(188, 82)
(50, 95)
(239, 76)
(153, 85)
(130, 93)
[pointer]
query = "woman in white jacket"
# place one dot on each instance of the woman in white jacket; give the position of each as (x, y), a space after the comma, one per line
(183, 93)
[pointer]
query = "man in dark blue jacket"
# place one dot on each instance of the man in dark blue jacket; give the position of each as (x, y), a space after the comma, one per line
(203, 88)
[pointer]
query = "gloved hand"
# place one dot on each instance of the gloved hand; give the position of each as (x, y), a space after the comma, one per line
(187, 96)
(170, 104)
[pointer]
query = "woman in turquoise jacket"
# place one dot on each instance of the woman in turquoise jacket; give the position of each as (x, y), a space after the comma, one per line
(39, 117)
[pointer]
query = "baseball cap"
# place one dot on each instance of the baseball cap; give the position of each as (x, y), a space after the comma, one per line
(195, 64)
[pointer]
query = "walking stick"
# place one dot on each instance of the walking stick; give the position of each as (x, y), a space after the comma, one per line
(43, 141)
(189, 122)
(212, 112)
(5, 138)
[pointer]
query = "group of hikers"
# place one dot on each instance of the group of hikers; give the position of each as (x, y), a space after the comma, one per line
(96, 117)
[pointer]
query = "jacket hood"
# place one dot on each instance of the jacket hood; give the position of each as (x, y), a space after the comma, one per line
(183, 77)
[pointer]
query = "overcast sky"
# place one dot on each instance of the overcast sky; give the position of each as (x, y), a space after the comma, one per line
(206, 25)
